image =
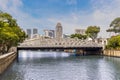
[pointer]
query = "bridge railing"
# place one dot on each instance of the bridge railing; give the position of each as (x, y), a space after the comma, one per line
(77, 43)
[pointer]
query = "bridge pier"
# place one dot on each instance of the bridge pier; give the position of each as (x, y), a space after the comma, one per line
(89, 51)
(92, 52)
(79, 52)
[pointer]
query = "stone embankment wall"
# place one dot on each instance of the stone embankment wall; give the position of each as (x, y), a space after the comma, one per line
(6, 60)
(115, 53)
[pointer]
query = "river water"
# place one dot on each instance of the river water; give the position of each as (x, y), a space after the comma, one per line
(37, 65)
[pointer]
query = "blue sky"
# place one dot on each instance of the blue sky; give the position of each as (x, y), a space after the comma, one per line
(54, 8)
(73, 14)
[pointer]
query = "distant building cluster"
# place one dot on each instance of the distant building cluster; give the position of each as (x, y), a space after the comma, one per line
(31, 32)
(57, 33)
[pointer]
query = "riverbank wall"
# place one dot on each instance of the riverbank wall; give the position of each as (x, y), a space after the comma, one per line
(112, 53)
(6, 60)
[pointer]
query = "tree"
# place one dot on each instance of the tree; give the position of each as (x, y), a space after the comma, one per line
(92, 31)
(115, 26)
(79, 36)
(10, 33)
(114, 42)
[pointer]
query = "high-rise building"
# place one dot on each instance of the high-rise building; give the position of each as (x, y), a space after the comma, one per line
(49, 33)
(52, 33)
(28, 32)
(59, 30)
(79, 31)
(35, 31)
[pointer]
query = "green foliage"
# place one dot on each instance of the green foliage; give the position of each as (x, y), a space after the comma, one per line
(79, 36)
(10, 32)
(115, 26)
(114, 42)
(92, 31)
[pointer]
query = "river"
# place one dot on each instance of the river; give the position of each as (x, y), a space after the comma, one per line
(37, 65)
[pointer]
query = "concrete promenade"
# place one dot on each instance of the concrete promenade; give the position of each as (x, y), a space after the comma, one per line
(6, 60)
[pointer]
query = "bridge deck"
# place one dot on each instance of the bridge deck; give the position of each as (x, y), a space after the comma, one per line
(35, 48)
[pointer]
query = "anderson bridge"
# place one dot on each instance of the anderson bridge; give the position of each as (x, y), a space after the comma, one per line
(78, 46)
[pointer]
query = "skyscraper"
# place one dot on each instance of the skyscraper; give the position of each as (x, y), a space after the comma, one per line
(49, 33)
(35, 31)
(52, 33)
(59, 30)
(28, 31)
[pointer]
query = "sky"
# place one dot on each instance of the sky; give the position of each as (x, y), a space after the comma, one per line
(72, 14)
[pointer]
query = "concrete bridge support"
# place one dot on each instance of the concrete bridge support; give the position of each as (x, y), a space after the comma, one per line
(89, 51)
(92, 52)
(6, 60)
(79, 52)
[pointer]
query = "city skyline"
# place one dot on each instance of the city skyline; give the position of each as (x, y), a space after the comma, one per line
(72, 14)
(56, 32)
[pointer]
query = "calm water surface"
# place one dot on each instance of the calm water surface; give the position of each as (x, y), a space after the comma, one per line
(36, 65)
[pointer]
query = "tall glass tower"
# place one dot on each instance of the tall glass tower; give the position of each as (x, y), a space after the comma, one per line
(29, 33)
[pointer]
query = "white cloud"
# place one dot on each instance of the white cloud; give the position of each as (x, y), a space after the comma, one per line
(3, 4)
(104, 11)
(25, 20)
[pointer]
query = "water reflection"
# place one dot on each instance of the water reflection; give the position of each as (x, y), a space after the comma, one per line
(36, 65)
(38, 54)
